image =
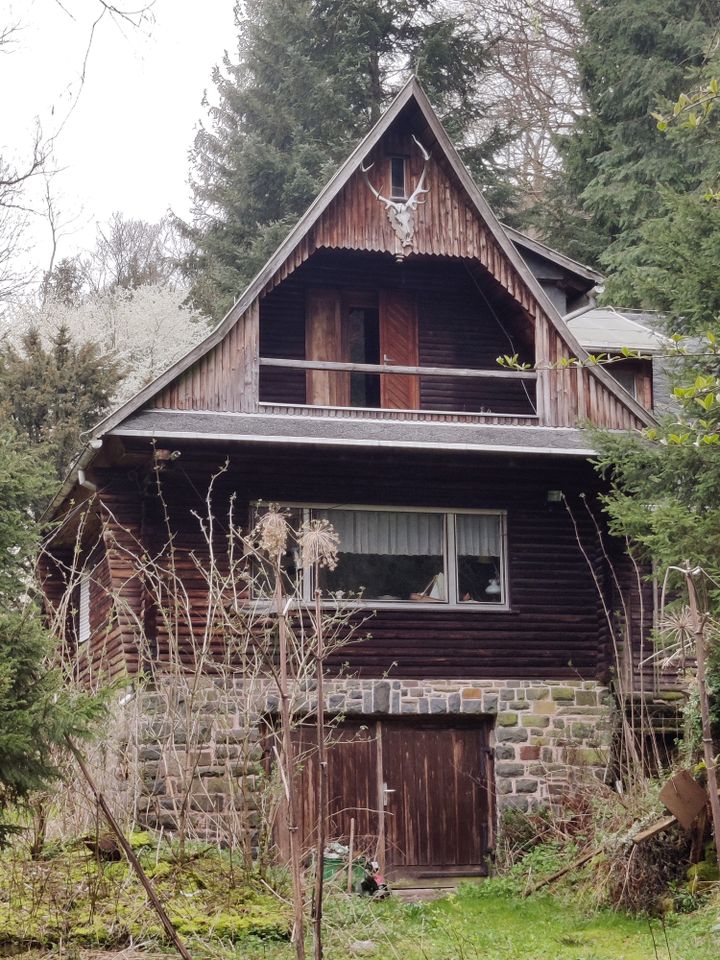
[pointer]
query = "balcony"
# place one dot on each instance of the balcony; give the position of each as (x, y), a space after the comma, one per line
(332, 381)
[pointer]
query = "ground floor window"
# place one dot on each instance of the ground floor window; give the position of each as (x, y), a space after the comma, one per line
(392, 556)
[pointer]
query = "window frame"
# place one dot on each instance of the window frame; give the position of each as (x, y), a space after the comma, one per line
(450, 557)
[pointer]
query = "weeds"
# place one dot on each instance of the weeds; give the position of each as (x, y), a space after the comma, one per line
(71, 894)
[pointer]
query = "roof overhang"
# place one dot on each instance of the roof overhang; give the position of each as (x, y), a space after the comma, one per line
(580, 270)
(198, 427)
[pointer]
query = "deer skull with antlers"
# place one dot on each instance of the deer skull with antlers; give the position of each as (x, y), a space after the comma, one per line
(401, 213)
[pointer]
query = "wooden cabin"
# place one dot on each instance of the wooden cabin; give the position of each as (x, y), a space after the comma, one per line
(357, 380)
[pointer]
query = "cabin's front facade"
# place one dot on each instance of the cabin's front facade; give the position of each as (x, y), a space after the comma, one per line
(357, 380)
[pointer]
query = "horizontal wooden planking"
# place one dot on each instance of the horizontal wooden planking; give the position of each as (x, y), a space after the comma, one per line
(461, 330)
(555, 625)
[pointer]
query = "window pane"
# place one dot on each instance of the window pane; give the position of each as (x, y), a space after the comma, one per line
(387, 556)
(363, 346)
(397, 176)
(625, 376)
(479, 559)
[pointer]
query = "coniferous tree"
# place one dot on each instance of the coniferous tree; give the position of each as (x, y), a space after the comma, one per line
(617, 166)
(52, 394)
(37, 710)
(309, 79)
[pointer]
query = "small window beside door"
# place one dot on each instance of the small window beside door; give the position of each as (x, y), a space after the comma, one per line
(83, 611)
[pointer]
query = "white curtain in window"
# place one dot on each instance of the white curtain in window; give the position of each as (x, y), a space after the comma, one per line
(477, 535)
(386, 532)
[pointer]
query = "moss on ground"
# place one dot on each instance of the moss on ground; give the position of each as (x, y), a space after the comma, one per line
(72, 896)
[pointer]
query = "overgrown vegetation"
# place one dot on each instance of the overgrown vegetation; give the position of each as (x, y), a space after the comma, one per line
(83, 891)
(37, 710)
(652, 877)
(72, 897)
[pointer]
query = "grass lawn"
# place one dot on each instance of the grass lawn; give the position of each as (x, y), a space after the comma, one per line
(482, 923)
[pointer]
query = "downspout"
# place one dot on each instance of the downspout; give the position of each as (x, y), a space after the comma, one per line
(84, 482)
(83, 461)
(75, 473)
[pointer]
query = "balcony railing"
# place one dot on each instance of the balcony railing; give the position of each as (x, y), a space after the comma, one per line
(488, 406)
(451, 372)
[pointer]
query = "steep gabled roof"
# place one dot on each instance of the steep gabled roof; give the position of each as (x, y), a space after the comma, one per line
(412, 92)
(540, 249)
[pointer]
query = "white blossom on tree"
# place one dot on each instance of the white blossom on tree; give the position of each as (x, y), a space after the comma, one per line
(145, 328)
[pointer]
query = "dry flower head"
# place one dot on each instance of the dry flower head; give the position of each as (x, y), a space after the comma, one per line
(318, 544)
(272, 531)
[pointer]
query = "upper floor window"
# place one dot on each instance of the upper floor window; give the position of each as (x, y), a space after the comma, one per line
(625, 376)
(397, 178)
(392, 556)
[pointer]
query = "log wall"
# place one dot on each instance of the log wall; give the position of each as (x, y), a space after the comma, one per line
(554, 629)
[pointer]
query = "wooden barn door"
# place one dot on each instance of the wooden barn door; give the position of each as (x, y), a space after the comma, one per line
(438, 809)
(352, 787)
(419, 792)
(399, 345)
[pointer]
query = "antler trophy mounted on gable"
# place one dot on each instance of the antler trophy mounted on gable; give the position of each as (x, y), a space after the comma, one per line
(401, 213)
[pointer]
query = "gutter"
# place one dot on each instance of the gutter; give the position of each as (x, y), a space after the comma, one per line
(75, 476)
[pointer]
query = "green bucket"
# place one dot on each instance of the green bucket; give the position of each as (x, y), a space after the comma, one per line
(336, 868)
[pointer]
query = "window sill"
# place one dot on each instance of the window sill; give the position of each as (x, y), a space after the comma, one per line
(373, 606)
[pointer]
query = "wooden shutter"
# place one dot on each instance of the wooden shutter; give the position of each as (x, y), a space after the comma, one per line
(324, 341)
(399, 344)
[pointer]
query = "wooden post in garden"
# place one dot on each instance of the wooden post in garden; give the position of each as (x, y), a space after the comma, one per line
(321, 782)
(130, 854)
(290, 770)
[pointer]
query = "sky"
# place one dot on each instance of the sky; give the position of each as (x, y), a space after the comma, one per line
(121, 139)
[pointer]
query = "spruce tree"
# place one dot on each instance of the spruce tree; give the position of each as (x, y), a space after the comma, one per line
(309, 79)
(51, 393)
(617, 165)
(37, 710)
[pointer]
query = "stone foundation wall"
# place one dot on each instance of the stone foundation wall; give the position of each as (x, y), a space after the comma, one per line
(205, 757)
(544, 732)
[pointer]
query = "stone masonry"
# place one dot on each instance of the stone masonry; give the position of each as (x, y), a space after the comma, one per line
(208, 759)
(544, 732)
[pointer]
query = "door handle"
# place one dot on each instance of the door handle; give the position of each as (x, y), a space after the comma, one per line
(386, 791)
(387, 359)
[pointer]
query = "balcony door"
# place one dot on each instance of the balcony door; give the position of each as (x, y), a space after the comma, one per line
(399, 345)
(357, 328)
(325, 340)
